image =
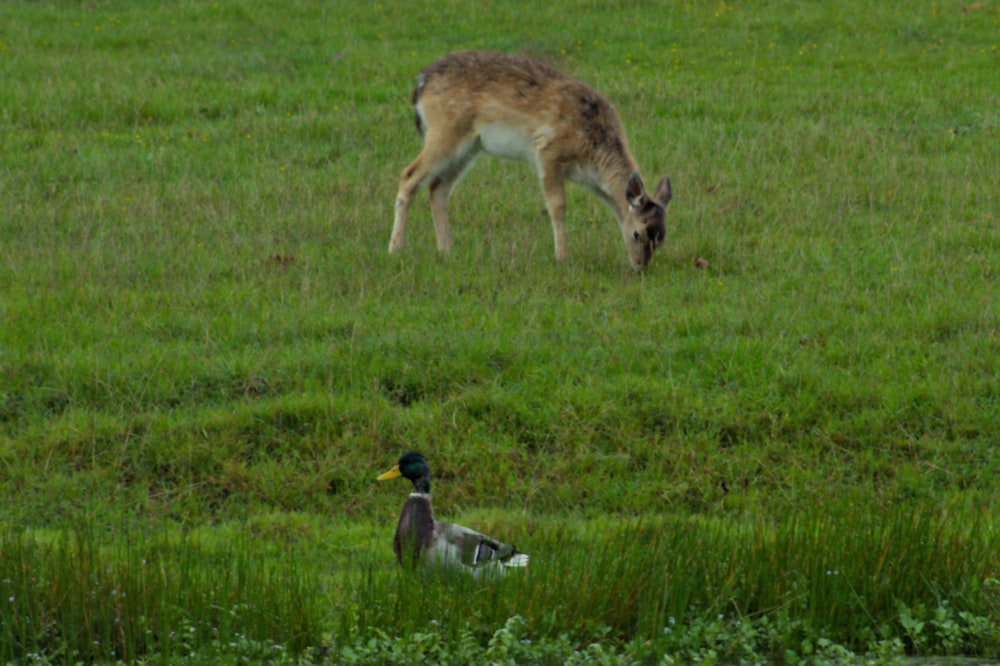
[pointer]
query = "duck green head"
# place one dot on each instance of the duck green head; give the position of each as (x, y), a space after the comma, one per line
(414, 467)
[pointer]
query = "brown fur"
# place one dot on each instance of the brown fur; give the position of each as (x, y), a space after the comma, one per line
(475, 101)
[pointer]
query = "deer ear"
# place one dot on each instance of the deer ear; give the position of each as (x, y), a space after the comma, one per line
(663, 192)
(635, 191)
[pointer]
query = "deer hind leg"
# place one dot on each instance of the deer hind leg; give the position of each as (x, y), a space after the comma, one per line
(554, 189)
(409, 183)
(440, 189)
(442, 163)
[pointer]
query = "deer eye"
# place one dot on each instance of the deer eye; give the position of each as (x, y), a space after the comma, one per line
(635, 235)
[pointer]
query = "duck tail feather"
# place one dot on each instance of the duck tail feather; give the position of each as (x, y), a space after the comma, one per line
(517, 560)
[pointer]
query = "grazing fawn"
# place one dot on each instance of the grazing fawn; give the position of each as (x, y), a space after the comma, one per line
(521, 109)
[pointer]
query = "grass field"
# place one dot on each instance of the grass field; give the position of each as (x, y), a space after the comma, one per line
(207, 354)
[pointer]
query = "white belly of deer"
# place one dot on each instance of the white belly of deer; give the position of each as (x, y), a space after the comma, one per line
(509, 143)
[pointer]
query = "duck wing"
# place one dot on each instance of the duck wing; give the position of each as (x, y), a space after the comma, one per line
(469, 548)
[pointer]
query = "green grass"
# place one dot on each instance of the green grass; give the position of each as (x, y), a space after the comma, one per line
(99, 593)
(203, 333)
(696, 588)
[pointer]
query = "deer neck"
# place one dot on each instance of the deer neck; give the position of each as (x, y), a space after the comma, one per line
(614, 175)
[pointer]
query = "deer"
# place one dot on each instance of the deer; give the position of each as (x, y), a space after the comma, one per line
(517, 108)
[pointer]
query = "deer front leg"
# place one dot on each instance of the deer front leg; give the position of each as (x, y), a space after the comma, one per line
(553, 187)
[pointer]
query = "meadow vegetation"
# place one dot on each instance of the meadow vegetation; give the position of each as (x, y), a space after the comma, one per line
(785, 451)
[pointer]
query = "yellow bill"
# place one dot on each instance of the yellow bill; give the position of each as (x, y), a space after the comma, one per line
(391, 474)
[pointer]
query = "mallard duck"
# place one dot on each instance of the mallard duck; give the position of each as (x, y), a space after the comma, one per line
(420, 538)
